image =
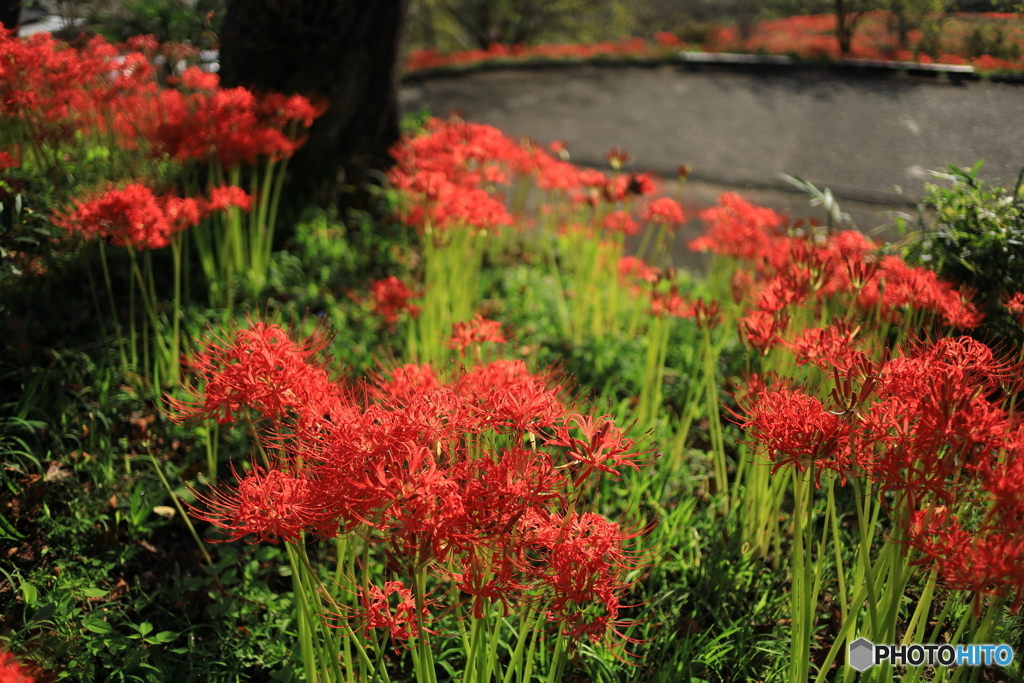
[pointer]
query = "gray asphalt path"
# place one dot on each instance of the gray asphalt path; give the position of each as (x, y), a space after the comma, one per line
(867, 137)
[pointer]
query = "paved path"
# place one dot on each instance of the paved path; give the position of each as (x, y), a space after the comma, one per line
(870, 138)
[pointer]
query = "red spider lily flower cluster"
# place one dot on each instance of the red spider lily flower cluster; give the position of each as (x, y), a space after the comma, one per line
(260, 368)
(10, 158)
(664, 211)
(806, 36)
(633, 269)
(390, 297)
(477, 478)
(790, 270)
(617, 158)
(928, 426)
(134, 216)
(476, 331)
(10, 670)
(423, 60)
(53, 94)
(1015, 307)
(455, 173)
(620, 221)
(203, 122)
(58, 90)
(401, 619)
(670, 304)
(796, 430)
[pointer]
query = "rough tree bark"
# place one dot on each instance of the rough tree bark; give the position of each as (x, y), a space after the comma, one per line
(346, 51)
(847, 17)
(10, 13)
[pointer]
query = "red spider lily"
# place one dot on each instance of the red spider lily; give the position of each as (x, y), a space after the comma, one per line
(58, 90)
(617, 158)
(505, 395)
(670, 303)
(585, 556)
(620, 222)
(1015, 307)
(131, 216)
(10, 158)
(390, 297)
(135, 216)
(762, 330)
(827, 347)
(451, 176)
(708, 315)
(796, 430)
(406, 382)
(413, 465)
(664, 211)
(194, 78)
(10, 670)
(225, 197)
(783, 291)
(400, 619)
(262, 369)
(641, 184)
(603, 446)
(271, 505)
(477, 331)
(897, 285)
(933, 420)
(737, 228)
(632, 269)
(490, 580)
(986, 561)
(791, 271)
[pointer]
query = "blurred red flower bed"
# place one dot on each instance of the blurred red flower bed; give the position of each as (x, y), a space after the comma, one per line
(808, 37)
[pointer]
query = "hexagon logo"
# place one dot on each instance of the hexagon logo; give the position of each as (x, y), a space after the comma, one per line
(862, 654)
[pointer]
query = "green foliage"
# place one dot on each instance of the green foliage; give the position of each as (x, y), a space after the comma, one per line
(478, 23)
(906, 15)
(971, 232)
(178, 21)
(930, 42)
(991, 40)
(328, 266)
(457, 24)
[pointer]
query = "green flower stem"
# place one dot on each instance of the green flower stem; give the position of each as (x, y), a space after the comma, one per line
(423, 656)
(306, 646)
(802, 602)
(181, 510)
(714, 420)
(125, 366)
(527, 630)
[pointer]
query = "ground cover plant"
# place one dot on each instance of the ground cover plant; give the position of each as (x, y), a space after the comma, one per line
(470, 437)
(990, 42)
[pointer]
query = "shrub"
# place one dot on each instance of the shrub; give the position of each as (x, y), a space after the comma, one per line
(973, 234)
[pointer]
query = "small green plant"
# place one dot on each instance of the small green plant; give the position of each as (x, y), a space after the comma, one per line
(992, 41)
(971, 232)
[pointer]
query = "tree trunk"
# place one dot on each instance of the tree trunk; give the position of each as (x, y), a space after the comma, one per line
(10, 14)
(846, 21)
(344, 51)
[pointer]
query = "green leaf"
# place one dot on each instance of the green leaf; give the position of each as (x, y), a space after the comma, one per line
(29, 592)
(164, 637)
(44, 613)
(145, 628)
(96, 624)
(94, 592)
